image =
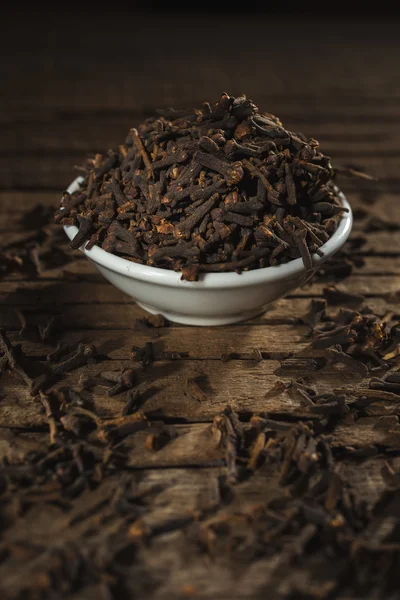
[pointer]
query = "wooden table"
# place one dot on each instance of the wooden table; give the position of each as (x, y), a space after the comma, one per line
(73, 87)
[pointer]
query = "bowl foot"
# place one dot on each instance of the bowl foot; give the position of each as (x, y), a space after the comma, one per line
(209, 321)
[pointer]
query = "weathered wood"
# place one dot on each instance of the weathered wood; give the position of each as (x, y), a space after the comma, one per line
(131, 92)
(58, 292)
(134, 96)
(20, 201)
(137, 94)
(117, 344)
(237, 383)
(364, 433)
(82, 269)
(381, 243)
(90, 133)
(194, 445)
(112, 318)
(49, 125)
(166, 496)
(161, 494)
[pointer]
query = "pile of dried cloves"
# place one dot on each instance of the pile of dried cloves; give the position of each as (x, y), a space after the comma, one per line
(222, 188)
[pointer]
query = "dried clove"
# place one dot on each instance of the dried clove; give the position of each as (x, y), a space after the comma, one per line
(212, 191)
(82, 356)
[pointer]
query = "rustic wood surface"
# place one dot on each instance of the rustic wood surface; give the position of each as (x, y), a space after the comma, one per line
(86, 83)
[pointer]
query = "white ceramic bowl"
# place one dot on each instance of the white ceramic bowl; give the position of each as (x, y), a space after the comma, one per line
(217, 298)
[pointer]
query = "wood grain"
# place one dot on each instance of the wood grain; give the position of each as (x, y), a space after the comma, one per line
(87, 133)
(238, 383)
(59, 292)
(62, 102)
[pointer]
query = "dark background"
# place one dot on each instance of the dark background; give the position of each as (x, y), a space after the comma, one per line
(84, 75)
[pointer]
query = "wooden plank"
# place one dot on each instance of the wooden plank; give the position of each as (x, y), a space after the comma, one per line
(364, 433)
(379, 265)
(110, 316)
(357, 96)
(107, 119)
(225, 382)
(103, 321)
(158, 493)
(369, 286)
(384, 207)
(135, 91)
(73, 135)
(317, 119)
(17, 201)
(208, 343)
(237, 383)
(35, 172)
(113, 319)
(223, 575)
(58, 292)
(94, 134)
(164, 495)
(195, 445)
(381, 243)
(365, 478)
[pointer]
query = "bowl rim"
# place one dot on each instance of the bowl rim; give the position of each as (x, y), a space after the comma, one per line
(166, 277)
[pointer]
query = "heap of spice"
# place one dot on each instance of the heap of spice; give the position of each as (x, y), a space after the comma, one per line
(221, 188)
